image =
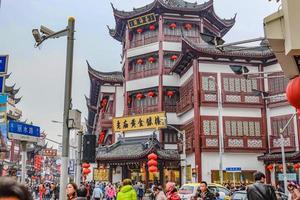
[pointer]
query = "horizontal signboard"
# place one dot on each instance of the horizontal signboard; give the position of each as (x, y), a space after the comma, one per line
(141, 21)
(140, 122)
(23, 132)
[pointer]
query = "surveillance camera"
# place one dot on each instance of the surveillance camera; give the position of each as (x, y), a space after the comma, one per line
(46, 30)
(37, 36)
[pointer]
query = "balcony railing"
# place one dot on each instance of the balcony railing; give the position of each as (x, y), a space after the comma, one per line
(210, 141)
(177, 38)
(241, 98)
(184, 104)
(142, 110)
(244, 142)
(144, 41)
(143, 74)
(289, 143)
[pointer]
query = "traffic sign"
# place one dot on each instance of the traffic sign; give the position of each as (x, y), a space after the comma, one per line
(233, 169)
(3, 64)
(23, 132)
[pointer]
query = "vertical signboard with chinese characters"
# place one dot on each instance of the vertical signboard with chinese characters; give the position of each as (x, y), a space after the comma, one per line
(3, 71)
(140, 122)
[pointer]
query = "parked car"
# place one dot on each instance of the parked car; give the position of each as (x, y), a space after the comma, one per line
(242, 195)
(190, 191)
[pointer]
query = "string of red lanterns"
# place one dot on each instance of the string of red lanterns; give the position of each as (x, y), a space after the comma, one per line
(174, 57)
(152, 163)
(172, 26)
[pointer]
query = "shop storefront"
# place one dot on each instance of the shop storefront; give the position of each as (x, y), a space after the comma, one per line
(236, 178)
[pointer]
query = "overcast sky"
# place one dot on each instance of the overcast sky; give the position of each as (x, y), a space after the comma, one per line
(40, 72)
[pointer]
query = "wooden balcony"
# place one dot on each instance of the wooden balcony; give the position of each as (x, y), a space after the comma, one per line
(177, 38)
(289, 143)
(238, 143)
(184, 104)
(233, 98)
(105, 120)
(170, 108)
(143, 74)
(142, 110)
(210, 142)
(143, 41)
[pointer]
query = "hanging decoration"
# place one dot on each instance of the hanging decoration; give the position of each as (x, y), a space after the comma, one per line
(293, 92)
(296, 166)
(101, 137)
(188, 26)
(170, 93)
(270, 167)
(151, 94)
(152, 163)
(152, 27)
(174, 57)
(86, 171)
(280, 167)
(152, 156)
(85, 165)
(103, 102)
(139, 61)
(139, 30)
(172, 26)
(151, 59)
(139, 96)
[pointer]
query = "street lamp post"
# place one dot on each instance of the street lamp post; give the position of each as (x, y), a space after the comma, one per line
(69, 31)
(220, 125)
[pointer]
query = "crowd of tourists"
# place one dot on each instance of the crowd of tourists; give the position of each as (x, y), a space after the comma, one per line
(127, 190)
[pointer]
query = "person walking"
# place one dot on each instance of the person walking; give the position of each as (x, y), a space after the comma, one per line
(97, 193)
(259, 190)
(71, 191)
(127, 192)
(294, 191)
(140, 192)
(159, 194)
(110, 192)
(81, 193)
(171, 191)
(205, 193)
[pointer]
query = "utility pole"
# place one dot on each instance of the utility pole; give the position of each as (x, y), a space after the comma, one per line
(67, 108)
(78, 161)
(23, 173)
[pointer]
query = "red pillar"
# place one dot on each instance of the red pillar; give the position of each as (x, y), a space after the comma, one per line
(196, 86)
(161, 69)
(126, 67)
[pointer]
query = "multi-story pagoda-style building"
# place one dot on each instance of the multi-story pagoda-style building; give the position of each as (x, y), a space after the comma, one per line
(166, 66)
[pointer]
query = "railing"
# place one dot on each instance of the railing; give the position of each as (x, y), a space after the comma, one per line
(241, 98)
(184, 104)
(289, 143)
(210, 141)
(142, 110)
(170, 108)
(209, 96)
(143, 41)
(244, 142)
(143, 74)
(177, 38)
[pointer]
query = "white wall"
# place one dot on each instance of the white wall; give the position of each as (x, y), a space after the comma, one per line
(172, 118)
(186, 76)
(138, 133)
(171, 80)
(119, 101)
(107, 89)
(142, 50)
(190, 160)
(247, 161)
(142, 83)
(220, 68)
(232, 112)
(187, 116)
(117, 177)
(170, 146)
(172, 46)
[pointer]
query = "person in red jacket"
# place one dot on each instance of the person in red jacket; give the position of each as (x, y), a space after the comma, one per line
(171, 191)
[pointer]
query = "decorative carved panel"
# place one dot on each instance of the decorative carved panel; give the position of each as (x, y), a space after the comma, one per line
(254, 143)
(235, 143)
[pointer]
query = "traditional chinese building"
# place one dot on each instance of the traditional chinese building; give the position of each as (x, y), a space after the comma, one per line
(167, 67)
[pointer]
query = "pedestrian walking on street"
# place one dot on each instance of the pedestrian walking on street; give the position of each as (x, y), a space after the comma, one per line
(12, 190)
(71, 191)
(259, 190)
(171, 191)
(81, 193)
(140, 192)
(127, 192)
(97, 193)
(205, 193)
(294, 191)
(110, 192)
(159, 194)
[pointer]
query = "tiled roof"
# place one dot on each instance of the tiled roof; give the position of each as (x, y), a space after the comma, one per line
(128, 149)
(106, 77)
(278, 157)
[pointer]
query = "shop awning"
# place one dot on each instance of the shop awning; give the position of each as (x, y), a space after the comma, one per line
(276, 157)
(134, 149)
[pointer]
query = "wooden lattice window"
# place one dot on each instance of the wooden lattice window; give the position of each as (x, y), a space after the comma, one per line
(279, 122)
(237, 84)
(242, 126)
(277, 85)
(209, 81)
(209, 125)
(187, 88)
(189, 133)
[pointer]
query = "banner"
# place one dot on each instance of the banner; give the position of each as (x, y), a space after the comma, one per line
(140, 122)
(100, 174)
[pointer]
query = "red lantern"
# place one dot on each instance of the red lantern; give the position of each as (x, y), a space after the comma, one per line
(152, 156)
(172, 26)
(139, 61)
(151, 94)
(139, 30)
(296, 166)
(101, 137)
(293, 92)
(152, 27)
(188, 26)
(270, 167)
(152, 169)
(86, 171)
(103, 102)
(152, 163)
(174, 57)
(170, 93)
(86, 165)
(151, 59)
(139, 96)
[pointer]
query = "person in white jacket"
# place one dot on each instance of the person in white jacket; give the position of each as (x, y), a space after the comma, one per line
(97, 193)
